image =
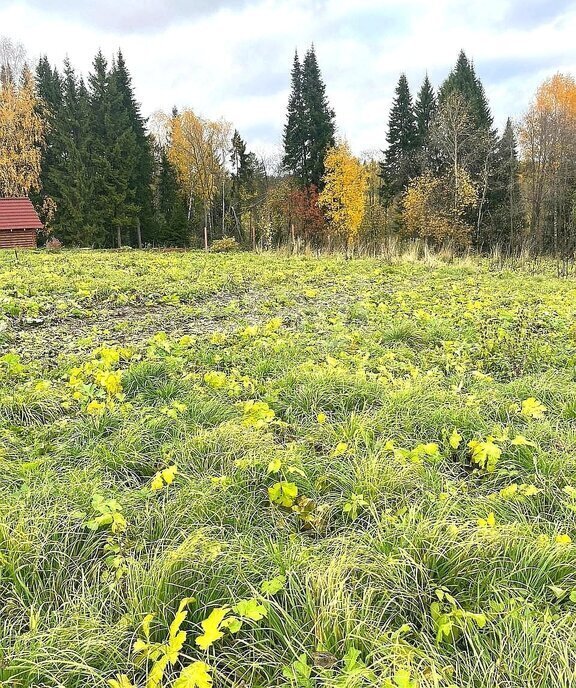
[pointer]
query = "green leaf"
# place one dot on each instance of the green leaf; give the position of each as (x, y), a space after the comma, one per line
(299, 671)
(480, 619)
(402, 678)
(251, 609)
(283, 494)
(351, 660)
(273, 586)
(232, 623)
(274, 466)
(559, 593)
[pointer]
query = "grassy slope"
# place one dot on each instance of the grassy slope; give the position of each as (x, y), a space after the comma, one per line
(406, 353)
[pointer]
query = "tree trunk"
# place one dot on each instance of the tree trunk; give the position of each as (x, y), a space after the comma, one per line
(138, 233)
(190, 206)
(482, 201)
(223, 204)
(119, 236)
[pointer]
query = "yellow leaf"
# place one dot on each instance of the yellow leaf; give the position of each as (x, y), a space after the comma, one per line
(157, 482)
(194, 676)
(211, 627)
(179, 618)
(341, 448)
(521, 441)
(146, 625)
(168, 474)
(121, 681)
(274, 466)
(156, 673)
(455, 439)
(488, 522)
(532, 408)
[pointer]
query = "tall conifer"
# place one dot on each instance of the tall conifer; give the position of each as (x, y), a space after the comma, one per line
(319, 116)
(114, 154)
(463, 79)
(425, 109)
(295, 151)
(505, 219)
(141, 173)
(400, 158)
(310, 128)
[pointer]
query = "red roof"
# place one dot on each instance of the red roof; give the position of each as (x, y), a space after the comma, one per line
(18, 213)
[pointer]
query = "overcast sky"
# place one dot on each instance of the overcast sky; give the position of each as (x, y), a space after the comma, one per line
(232, 58)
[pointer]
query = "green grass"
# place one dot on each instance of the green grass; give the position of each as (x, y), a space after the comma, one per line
(361, 363)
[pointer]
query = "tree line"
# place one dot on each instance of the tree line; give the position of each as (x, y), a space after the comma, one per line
(103, 175)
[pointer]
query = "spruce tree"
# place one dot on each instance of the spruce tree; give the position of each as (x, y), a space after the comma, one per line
(113, 157)
(239, 158)
(463, 79)
(49, 90)
(172, 217)
(310, 129)
(295, 152)
(505, 221)
(481, 146)
(425, 109)
(320, 127)
(74, 176)
(400, 158)
(65, 173)
(246, 175)
(48, 85)
(141, 174)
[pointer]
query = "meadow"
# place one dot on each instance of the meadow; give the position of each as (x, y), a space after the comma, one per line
(257, 470)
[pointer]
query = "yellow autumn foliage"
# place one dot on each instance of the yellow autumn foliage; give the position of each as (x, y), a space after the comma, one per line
(433, 211)
(343, 198)
(21, 138)
(196, 150)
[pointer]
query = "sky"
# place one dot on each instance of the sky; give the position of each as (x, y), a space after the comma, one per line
(232, 58)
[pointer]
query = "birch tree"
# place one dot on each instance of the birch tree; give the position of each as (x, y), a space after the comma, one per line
(343, 196)
(197, 151)
(22, 132)
(547, 137)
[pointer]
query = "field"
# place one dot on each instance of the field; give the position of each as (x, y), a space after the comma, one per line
(364, 474)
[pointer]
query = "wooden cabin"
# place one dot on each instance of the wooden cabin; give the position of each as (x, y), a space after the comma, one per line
(19, 223)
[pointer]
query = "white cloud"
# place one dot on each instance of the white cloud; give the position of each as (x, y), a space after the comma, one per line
(232, 58)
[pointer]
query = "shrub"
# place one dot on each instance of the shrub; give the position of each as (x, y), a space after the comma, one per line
(224, 245)
(54, 245)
